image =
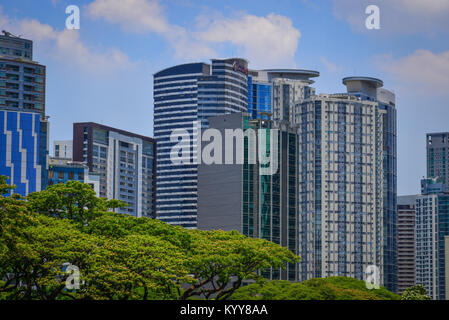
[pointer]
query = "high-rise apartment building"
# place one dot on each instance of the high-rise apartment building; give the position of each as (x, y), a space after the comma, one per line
(340, 196)
(344, 182)
(406, 242)
(23, 124)
(370, 89)
(437, 145)
(184, 97)
(63, 149)
(125, 162)
(431, 228)
(255, 197)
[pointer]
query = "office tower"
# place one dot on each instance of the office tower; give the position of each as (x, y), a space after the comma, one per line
(63, 149)
(256, 198)
(406, 242)
(437, 145)
(125, 162)
(431, 228)
(371, 89)
(61, 170)
(275, 91)
(185, 95)
(23, 124)
(341, 177)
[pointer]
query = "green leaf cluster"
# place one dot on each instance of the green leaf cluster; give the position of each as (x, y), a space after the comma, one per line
(417, 292)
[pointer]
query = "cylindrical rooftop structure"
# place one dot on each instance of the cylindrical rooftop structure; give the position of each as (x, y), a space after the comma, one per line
(364, 85)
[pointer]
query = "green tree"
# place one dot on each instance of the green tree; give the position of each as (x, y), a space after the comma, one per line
(221, 261)
(417, 292)
(118, 256)
(73, 200)
(332, 288)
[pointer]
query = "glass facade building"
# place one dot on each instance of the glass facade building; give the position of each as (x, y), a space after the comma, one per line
(269, 208)
(259, 99)
(185, 96)
(24, 126)
(257, 199)
(272, 93)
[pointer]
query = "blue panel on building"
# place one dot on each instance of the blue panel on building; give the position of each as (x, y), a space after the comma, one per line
(19, 148)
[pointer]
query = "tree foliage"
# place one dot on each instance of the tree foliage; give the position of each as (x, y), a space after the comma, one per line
(332, 288)
(118, 256)
(417, 292)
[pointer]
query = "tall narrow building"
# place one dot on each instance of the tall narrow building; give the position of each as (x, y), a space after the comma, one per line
(431, 229)
(347, 182)
(23, 124)
(370, 89)
(124, 161)
(406, 242)
(184, 97)
(257, 198)
(437, 146)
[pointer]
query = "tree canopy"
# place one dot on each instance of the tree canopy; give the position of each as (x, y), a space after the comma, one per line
(118, 256)
(417, 292)
(332, 288)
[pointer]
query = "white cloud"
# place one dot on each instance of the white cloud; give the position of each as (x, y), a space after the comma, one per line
(423, 70)
(263, 40)
(397, 16)
(133, 15)
(66, 46)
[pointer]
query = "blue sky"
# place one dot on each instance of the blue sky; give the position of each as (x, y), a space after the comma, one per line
(103, 72)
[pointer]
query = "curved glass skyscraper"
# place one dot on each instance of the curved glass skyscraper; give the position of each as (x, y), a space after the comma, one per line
(185, 95)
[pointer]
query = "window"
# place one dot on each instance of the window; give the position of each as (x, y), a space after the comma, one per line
(60, 175)
(50, 174)
(71, 175)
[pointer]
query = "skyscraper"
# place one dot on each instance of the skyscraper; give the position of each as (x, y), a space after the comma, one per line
(125, 162)
(185, 96)
(340, 196)
(437, 145)
(406, 242)
(246, 197)
(370, 89)
(431, 228)
(23, 124)
(347, 182)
